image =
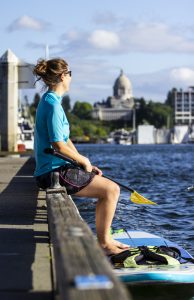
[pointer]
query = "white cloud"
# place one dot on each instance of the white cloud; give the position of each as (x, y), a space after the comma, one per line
(103, 39)
(27, 22)
(84, 44)
(155, 38)
(156, 85)
(182, 75)
(93, 79)
(129, 38)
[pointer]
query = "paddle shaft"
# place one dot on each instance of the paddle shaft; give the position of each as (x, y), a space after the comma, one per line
(73, 162)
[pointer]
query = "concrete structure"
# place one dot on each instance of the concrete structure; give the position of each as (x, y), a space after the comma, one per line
(14, 74)
(146, 134)
(162, 136)
(184, 107)
(8, 100)
(120, 105)
(180, 134)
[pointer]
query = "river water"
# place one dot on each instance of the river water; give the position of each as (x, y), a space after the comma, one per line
(162, 174)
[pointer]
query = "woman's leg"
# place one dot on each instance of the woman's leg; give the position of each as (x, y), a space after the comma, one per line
(107, 193)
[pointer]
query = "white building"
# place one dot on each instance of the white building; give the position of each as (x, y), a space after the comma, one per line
(184, 106)
(120, 105)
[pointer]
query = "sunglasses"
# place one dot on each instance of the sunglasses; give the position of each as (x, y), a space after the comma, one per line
(69, 72)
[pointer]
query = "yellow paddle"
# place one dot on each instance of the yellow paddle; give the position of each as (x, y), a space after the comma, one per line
(135, 197)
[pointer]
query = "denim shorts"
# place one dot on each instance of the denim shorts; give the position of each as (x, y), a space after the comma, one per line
(72, 178)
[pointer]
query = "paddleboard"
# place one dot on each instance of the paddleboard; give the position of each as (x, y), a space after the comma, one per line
(183, 273)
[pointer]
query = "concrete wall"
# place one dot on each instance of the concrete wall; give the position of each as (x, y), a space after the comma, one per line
(8, 101)
(145, 134)
(180, 134)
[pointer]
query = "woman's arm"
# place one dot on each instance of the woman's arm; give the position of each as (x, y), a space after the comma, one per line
(69, 150)
(71, 145)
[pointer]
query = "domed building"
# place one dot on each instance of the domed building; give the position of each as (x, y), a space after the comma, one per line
(120, 105)
(122, 87)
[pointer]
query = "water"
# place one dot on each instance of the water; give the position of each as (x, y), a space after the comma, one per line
(161, 173)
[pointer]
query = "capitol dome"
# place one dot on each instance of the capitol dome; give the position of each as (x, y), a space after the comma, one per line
(122, 87)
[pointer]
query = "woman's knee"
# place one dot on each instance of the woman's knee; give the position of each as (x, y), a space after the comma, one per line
(113, 190)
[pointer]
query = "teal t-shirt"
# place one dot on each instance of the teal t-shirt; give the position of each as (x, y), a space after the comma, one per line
(51, 126)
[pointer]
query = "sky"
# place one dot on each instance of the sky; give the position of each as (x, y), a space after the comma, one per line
(151, 41)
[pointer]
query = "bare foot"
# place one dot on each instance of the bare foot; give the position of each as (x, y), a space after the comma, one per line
(120, 245)
(114, 247)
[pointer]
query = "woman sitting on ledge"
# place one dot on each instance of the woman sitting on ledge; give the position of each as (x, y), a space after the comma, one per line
(52, 131)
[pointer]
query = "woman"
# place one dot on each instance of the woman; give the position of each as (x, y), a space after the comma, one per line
(52, 131)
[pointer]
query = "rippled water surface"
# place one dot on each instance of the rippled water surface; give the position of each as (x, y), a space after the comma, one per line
(161, 173)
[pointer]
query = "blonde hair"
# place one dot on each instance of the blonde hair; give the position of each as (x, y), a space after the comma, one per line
(50, 71)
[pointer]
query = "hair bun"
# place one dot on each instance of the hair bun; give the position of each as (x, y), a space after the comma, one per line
(40, 68)
(50, 71)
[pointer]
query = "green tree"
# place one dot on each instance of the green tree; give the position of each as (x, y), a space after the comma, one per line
(141, 111)
(89, 129)
(76, 131)
(158, 114)
(101, 132)
(82, 110)
(170, 97)
(154, 113)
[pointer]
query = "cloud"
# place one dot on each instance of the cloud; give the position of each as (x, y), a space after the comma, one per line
(182, 75)
(27, 22)
(105, 18)
(156, 85)
(103, 39)
(86, 44)
(92, 79)
(129, 37)
(154, 38)
(90, 84)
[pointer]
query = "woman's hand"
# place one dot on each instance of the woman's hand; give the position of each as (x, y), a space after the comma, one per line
(84, 161)
(97, 171)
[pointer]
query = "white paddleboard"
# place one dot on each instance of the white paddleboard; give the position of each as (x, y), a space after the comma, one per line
(183, 273)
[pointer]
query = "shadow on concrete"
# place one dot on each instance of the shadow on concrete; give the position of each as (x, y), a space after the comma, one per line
(18, 205)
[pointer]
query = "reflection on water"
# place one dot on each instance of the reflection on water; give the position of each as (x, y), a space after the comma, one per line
(161, 173)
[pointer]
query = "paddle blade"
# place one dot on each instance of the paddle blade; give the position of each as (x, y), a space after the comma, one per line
(139, 199)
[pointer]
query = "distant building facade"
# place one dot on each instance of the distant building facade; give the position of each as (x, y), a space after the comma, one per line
(184, 107)
(120, 105)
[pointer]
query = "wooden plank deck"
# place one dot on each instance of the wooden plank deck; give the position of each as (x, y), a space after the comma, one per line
(77, 253)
